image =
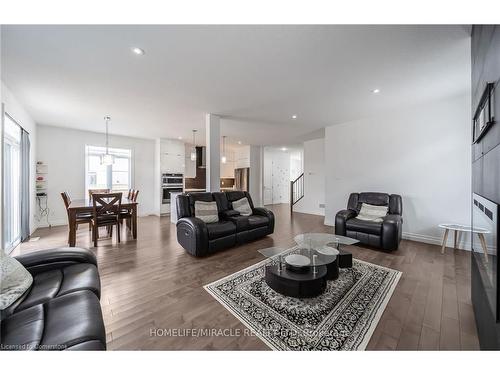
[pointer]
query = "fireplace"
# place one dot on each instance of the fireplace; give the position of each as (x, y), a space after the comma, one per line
(485, 247)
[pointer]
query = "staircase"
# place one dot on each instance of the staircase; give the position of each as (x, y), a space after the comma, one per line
(296, 191)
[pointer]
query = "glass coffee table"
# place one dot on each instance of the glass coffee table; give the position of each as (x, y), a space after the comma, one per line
(303, 270)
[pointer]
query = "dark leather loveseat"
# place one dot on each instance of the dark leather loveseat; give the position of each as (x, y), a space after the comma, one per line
(61, 309)
(200, 238)
(385, 234)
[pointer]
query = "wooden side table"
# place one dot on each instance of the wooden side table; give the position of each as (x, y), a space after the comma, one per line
(458, 229)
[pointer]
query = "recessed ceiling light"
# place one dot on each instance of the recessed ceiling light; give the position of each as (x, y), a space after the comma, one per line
(283, 149)
(179, 137)
(376, 91)
(294, 116)
(138, 51)
(239, 142)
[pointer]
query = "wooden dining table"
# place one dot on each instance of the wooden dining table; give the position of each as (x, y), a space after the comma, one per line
(85, 206)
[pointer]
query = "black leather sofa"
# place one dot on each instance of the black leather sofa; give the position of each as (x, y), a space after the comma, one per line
(385, 234)
(200, 238)
(61, 310)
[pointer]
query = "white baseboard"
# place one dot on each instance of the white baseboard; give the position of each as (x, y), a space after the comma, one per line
(329, 223)
(464, 245)
(53, 223)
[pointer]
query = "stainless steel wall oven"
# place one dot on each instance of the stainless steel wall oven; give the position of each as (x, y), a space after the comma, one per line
(171, 183)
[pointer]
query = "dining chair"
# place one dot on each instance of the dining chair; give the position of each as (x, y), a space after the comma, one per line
(126, 214)
(106, 208)
(98, 191)
(81, 218)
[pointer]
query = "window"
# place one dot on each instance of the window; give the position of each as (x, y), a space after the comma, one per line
(12, 183)
(117, 177)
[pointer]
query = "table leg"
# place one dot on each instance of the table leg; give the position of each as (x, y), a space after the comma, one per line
(72, 228)
(484, 245)
(134, 222)
(455, 239)
(445, 238)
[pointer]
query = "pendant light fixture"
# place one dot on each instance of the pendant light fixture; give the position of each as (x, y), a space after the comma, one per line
(223, 159)
(107, 159)
(193, 149)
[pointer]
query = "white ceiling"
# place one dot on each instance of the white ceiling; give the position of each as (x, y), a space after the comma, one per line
(256, 77)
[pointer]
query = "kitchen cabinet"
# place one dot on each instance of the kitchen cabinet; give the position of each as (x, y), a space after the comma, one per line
(172, 156)
(227, 168)
(190, 168)
(242, 157)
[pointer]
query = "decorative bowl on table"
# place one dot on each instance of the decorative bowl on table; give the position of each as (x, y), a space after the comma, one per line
(297, 262)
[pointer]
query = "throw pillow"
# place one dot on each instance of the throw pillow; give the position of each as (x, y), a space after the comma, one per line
(242, 206)
(372, 213)
(206, 211)
(14, 280)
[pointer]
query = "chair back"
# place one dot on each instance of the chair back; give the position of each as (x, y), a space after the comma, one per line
(134, 195)
(97, 191)
(66, 199)
(106, 203)
(129, 195)
(392, 201)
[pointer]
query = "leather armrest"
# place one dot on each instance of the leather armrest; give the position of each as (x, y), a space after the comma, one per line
(340, 220)
(392, 227)
(45, 260)
(261, 211)
(392, 219)
(194, 222)
(192, 234)
(347, 214)
(229, 213)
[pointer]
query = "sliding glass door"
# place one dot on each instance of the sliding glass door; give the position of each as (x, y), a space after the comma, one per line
(11, 184)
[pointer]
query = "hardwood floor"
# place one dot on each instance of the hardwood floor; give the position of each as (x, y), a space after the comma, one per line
(151, 284)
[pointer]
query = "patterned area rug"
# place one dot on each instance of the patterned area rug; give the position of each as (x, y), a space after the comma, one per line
(342, 318)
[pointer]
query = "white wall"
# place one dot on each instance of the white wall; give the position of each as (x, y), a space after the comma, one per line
(63, 150)
(22, 117)
(422, 153)
(314, 178)
(256, 175)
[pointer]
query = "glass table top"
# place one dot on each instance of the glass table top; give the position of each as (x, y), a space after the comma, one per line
(322, 239)
(314, 249)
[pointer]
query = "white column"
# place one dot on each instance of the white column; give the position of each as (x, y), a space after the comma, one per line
(212, 129)
(256, 175)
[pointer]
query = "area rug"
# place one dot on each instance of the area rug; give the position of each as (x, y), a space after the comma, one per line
(342, 318)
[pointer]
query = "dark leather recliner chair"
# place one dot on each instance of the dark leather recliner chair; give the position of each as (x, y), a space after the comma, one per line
(200, 238)
(385, 234)
(61, 310)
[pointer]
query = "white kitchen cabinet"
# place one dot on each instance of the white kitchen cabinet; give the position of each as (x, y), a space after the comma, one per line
(190, 169)
(227, 168)
(242, 157)
(172, 156)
